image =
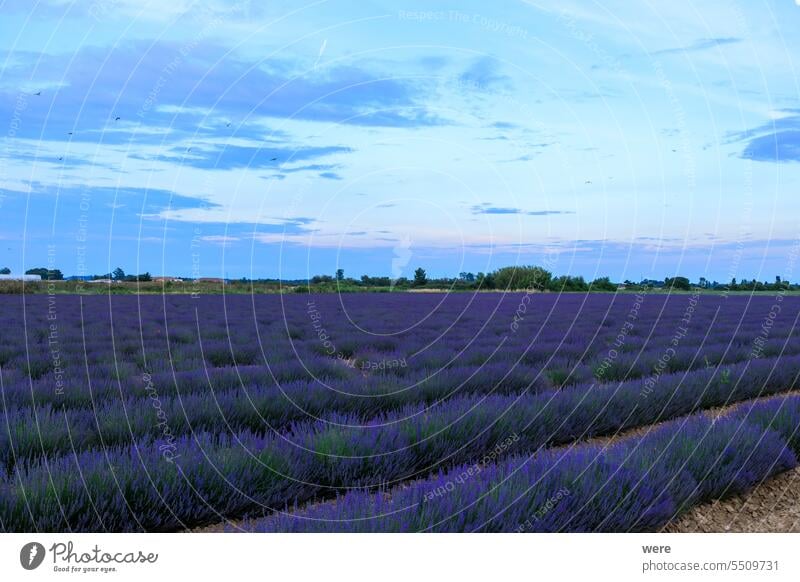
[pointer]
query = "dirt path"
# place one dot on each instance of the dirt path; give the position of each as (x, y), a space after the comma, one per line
(773, 506)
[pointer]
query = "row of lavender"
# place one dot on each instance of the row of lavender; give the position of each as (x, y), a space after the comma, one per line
(122, 447)
(32, 433)
(639, 484)
(572, 340)
(568, 339)
(91, 414)
(165, 484)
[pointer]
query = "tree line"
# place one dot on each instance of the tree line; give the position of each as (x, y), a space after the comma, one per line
(521, 277)
(534, 278)
(117, 274)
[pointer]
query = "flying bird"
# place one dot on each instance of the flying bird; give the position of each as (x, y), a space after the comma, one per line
(588, 182)
(61, 159)
(273, 159)
(117, 118)
(228, 124)
(38, 93)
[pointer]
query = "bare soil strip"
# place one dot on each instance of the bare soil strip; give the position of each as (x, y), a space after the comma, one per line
(771, 507)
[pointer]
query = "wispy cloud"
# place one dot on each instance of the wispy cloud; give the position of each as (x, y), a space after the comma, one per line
(330, 176)
(700, 45)
(487, 208)
(226, 157)
(483, 73)
(220, 239)
(160, 83)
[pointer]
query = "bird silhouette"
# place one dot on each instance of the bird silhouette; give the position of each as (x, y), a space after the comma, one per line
(588, 182)
(228, 124)
(38, 93)
(69, 133)
(61, 159)
(117, 118)
(273, 159)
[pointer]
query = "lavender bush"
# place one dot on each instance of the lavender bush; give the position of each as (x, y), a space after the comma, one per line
(161, 413)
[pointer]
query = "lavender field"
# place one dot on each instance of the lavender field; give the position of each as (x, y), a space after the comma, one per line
(390, 412)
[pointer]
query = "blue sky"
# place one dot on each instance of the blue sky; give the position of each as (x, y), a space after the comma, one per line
(288, 139)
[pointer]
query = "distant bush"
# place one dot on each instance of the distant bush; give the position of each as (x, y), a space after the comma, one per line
(603, 284)
(46, 274)
(681, 283)
(484, 281)
(522, 277)
(567, 283)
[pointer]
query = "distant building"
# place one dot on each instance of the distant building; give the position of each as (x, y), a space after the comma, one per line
(167, 280)
(106, 281)
(20, 277)
(216, 280)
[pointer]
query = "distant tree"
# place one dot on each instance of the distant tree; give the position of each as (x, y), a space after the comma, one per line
(368, 281)
(46, 274)
(143, 278)
(567, 283)
(522, 277)
(577, 284)
(118, 274)
(469, 277)
(678, 283)
(317, 279)
(420, 277)
(5, 271)
(602, 284)
(340, 274)
(484, 281)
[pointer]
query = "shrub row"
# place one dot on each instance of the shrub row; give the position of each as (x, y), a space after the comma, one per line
(639, 484)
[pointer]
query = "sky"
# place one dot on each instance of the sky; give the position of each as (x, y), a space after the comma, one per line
(288, 139)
